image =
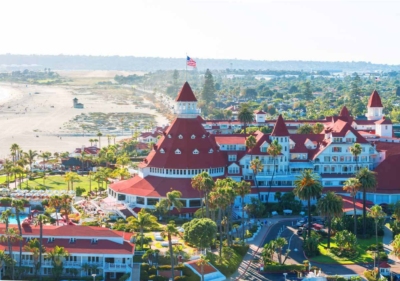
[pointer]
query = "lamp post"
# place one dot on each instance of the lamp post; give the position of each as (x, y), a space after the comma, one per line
(94, 276)
(284, 274)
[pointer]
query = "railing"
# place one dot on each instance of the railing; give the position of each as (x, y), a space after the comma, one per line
(115, 266)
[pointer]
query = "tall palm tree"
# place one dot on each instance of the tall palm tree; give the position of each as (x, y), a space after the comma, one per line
(204, 183)
(250, 144)
(36, 249)
(352, 186)
(55, 202)
(91, 142)
(245, 116)
(15, 148)
(65, 205)
(17, 171)
(274, 149)
(172, 201)
(368, 182)
(330, 206)
(40, 221)
(307, 187)
(99, 135)
(19, 206)
(356, 150)
(11, 236)
(5, 218)
(378, 215)
(57, 255)
(45, 156)
(242, 189)
(7, 168)
(143, 221)
(256, 166)
(30, 157)
(169, 231)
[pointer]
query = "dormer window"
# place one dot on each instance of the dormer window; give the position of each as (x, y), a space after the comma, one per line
(178, 151)
(94, 241)
(50, 240)
(180, 137)
(203, 136)
(211, 150)
(193, 137)
(169, 136)
(72, 240)
(28, 239)
(195, 151)
(162, 150)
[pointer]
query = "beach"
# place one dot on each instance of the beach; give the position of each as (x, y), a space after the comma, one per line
(33, 117)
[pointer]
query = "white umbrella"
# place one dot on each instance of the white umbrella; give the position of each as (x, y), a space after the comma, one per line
(55, 215)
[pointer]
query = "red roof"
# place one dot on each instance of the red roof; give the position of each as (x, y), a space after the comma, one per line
(230, 139)
(391, 148)
(387, 175)
(186, 94)
(81, 246)
(185, 145)
(375, 100)
(207, 268)
(280, 129)
(348, 203)
(152, 186)
(259, 112)
(384, 120)
(344, 112)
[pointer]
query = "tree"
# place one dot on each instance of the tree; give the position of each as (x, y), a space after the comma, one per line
(71, 177)
(305, 129)
(256, 166)
(330, 206)
(45, 156)
(307, 187)
(30, 157)
(208, 92)
(204, 183)
(202, 261)
(11, 236)
(36, 248)
(57, 255)
(200, 232)
(279, 244)
(368, 182)
(318, 128)
(15, 148)
(99, 135)
(65, 205)
(307, 91)
(40, 221)
(273, 150)
(251, 143)
(172, 201)
(169, 231)
(18, 206)
(345, 240)
(55, 202)
(396, 211)
(378, 215)
(352, 186)
(143, 221)
(356, 150)
(242, 189)
(245, 115)
(396, 246)
(175, 76)
(355, 91)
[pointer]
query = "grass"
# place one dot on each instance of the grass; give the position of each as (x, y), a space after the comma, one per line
(3, 179)
(364, 256)
(58, 183)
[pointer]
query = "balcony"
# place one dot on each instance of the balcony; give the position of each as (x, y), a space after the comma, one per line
(116, 266)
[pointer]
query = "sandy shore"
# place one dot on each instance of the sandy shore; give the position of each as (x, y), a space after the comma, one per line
(33, 121)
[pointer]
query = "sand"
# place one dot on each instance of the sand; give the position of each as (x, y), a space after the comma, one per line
(34, 121)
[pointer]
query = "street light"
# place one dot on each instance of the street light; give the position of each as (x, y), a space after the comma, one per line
(94, 276)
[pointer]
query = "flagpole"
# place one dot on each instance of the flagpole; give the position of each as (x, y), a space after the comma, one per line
(186, 68)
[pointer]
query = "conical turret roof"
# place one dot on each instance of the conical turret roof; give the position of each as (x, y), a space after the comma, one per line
(186, 94)
(280, 128)
(344, 112)
(375, 100)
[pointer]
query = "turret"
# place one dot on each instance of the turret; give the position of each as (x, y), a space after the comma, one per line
(186, 103)
(374, 107)
(384, 127)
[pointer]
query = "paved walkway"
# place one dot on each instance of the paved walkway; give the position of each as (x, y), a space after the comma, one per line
(136, 272)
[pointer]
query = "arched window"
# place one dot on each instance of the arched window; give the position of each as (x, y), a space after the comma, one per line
(162, 150)
(195, 151)
(180, 137)
(178, 151)
(211, 150)
(193, 137)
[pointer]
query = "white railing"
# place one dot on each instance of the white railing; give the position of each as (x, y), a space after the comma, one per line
(115, 266)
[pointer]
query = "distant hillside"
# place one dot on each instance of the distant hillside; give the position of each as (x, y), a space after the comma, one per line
(62, 62)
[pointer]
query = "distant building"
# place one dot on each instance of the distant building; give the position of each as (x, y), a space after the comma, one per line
(77, 104)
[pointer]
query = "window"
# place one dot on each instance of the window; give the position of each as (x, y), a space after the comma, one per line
(71, 258)
(336, 149)
(162, 150)
(327, 158)
(94, 241)
(194, 203)
(334, 158)
(72, 240)
(328, 183)
(180, 137)
(203, 136)
(169, 136)
(193, 137)
(233, 170)
(50, 240)
(211, 150)
(93, 259)
(195, 151)
(341, 158)
(177, 151)
(231, 158)
(152, 201)
(263, 149)
(140, 200)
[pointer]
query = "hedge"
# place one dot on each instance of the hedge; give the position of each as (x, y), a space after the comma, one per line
(241, 250)
(370, 275)
(284, 267)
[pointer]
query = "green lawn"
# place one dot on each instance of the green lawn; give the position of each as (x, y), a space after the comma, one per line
(58, 183)
(363, 257)
(3, 179)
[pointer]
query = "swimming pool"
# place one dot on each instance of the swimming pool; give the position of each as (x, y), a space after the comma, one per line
(13, 219)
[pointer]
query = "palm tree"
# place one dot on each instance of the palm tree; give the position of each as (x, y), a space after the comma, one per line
(19, 206)
(273, 150)
(352, 186)
(30, 157)
(307, 187)
(368, 182)
(45, 156)
(204, 183)
(39, 221)
(11, 236)
(15, 148)
(57, 255)
(202, 261)
(7, 168)
(5, 218)
(242, 189)
(17, 170)
(378, 215)
(250, 144)
(356, 150)
(143, 221)
(256, 166)
(169, 231)
(245, 116)
(55, 202)
(65, 205)
(71, 177)
(172, 201)
(36, 248)
(99, 134)
(330, 206)
(91, 142)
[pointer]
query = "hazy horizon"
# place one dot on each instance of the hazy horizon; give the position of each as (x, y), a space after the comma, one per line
(332, 31)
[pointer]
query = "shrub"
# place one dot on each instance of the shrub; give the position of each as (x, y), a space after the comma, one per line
(180, 278)
(152, 270)
(145, 266)
(370, 275)
(372, 247)
(284, 267)
(158, 278)
(241, 250)
(341, 279)
(383, 256)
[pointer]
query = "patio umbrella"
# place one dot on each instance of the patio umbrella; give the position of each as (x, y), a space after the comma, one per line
(55, 215)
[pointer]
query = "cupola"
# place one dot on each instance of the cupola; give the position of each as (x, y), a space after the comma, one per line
(186, 103)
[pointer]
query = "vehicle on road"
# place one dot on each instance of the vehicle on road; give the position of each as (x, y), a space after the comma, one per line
(300, 231)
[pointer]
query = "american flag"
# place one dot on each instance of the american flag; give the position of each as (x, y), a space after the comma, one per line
(190, 62)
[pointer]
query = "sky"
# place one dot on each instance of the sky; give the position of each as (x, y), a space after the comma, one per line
(335, 30)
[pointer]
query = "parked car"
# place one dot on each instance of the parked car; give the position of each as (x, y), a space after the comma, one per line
(300, 231)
